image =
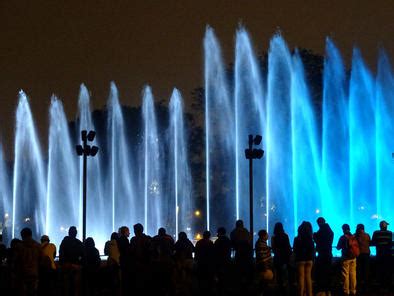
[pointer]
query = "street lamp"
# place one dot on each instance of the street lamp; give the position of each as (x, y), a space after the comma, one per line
(251, 154)
(85, 150)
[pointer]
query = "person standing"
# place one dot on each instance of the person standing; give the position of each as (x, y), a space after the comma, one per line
(304, 250)
(281, 248)
(349, 276)
(48, 266)
(205, 263)
(364, 241)
(382, 240)
(28, 257)
(323, 239)
(70, 258)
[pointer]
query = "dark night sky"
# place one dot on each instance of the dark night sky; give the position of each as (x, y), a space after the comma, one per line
(52, 46)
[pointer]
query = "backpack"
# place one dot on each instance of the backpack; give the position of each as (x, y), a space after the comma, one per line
(352, 246)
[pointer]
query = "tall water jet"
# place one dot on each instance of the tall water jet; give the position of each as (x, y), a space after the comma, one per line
(63, 201)
(335, 138)
(120, 171)
(29, 182)
(5, 197)
(97, 210)
(306, 156)
(219, 137)
(152, 154)
(249, 119)
(384, 139)
(279, 152)
(362, 154)
(179, 169)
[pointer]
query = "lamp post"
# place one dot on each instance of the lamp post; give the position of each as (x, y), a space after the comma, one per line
(85, 150)
(251, 154)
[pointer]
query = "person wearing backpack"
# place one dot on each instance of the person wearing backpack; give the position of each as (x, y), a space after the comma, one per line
(350, 250)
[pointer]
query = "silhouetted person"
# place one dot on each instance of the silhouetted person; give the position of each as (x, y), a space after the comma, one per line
(140, 250)
(183, 248)
(124, 259)
(11, 261)
(263, 252)
(3, 249)
(382, 240)
(183, 255)
(349, 276)
(323, 239)
(91, 265)
(48, 267)
(364, 241)
(162, 250)
(263, 260)
(112, 251)
(222, 248)
(281, 248)
(28, 258)
(205, 263)
(71, 252)
(113, 263)
(304, 250)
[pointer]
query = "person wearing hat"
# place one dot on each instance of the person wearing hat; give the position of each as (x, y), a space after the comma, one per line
(382, 240)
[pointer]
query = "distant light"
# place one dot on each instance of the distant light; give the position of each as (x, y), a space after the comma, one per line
(361, 208)
(6, 215)
(317, 211)
(177, 209)
(154, 187)
(198, 236)
(375, 217)
(62, 229)
(197, 213)
(27, 219)
(188, 229)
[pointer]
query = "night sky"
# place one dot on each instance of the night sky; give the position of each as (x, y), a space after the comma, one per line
(53, 46)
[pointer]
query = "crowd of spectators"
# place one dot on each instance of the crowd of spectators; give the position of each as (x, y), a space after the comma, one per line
(226, 265)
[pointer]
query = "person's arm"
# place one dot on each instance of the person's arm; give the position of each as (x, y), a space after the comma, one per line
(340, 244)
(373, 241)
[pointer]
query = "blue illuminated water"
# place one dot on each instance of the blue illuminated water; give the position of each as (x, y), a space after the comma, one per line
(327, 157)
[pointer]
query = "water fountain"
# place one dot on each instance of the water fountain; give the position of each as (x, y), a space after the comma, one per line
(331, 158)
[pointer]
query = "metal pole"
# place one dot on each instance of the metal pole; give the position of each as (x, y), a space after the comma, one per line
(251, 187)
(84, 181)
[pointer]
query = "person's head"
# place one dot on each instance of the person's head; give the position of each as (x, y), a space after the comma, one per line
(162, 231)
(14, 243)
(383, 225)
(239, 224)
(45, 239)
(263, 234)
(320, 221)
(124, 231)
(206, 234)
(221, 231)
(72, 231)
(138, 229)
(278, 228)
(114, 236)
(360, 228)
(26, 233)
(89, 242)
(182, 235)
(1, 238)
(345, 228)
(305, 229)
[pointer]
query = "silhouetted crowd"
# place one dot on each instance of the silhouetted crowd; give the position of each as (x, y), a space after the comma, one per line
(228, 265)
